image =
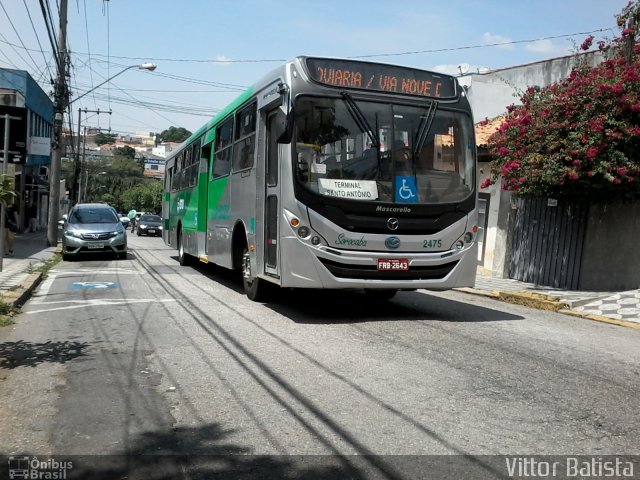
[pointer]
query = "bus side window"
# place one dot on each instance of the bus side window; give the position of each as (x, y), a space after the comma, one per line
(245, 138)
(222, 157)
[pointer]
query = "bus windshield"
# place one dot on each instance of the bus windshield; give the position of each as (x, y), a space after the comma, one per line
(383, 152)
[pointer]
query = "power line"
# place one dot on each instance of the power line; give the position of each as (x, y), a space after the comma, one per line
(414, 52)
(20, 37)
(46, 62)
(486, 45)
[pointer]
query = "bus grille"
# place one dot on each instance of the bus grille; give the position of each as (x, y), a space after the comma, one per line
(370, 272)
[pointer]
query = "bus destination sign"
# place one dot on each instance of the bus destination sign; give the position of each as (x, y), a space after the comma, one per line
(381, 77)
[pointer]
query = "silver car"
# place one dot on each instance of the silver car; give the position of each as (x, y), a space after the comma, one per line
(93, 228)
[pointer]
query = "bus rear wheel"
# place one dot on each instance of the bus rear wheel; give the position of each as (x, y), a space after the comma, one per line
(183, 257)
(255, 288)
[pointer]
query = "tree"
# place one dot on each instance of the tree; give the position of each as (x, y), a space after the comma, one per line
(173, 134)
(146, 196)
(105, 138)
(125, 151)
(578, 139)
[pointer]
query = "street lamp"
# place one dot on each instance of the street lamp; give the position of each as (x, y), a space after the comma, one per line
(76, 194)
(143, 66)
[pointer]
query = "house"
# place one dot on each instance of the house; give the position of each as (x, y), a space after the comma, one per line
(489, 94)
(30, 129)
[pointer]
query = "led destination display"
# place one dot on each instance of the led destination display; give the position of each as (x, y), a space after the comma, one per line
(381, 77)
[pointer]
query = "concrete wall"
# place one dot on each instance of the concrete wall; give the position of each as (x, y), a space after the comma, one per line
(611, 257)
(490, 93)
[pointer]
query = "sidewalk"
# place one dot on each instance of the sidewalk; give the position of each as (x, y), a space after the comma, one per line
(18, 277)
(620, 308)
(17, 281)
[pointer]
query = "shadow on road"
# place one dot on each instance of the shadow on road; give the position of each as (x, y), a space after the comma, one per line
(203, 453)
(323, 306)
(29, 354)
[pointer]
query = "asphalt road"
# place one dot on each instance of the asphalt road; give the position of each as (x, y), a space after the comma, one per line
(142, 356)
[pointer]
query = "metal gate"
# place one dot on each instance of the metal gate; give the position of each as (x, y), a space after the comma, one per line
(547, 242)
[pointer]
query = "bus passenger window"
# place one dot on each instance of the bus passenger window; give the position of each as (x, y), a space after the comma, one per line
(222, 157)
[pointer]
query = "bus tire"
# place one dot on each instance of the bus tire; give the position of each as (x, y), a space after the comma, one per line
(255, 288)
(183, 257)
(382, 295)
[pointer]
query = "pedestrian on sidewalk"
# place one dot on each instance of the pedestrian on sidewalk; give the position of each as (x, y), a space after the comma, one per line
(10, 229)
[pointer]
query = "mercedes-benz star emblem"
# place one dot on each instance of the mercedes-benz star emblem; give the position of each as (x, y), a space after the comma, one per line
(393, 223)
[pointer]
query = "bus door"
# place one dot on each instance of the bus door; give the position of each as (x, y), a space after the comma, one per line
(272, 193)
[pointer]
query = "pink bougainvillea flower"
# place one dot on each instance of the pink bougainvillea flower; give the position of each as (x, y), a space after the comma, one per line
(586, 45)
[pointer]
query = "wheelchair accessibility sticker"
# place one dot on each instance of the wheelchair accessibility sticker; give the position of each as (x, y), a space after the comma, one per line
(86, 285)
(406, 190)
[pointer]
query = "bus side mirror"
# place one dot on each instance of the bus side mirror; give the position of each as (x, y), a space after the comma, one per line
(283, 125)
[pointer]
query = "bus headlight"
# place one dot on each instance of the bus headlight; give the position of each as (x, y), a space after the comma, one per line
(304, 232)
(468, 237)
(459, 244)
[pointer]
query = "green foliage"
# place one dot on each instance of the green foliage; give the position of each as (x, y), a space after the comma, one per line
(126, 167)
(7, 189)
(173, 134)
(578, 139)
(105, 138)
(146, 196)
(125, 151)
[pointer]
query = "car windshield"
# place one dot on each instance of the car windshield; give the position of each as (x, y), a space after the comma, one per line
(367, 151)
(93, 215)
(150, 218)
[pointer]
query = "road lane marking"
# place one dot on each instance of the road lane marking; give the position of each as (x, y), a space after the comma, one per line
(91, 285)
(98, 303)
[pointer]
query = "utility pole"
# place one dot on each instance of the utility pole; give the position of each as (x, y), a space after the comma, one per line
(75, 189)
(61, 96)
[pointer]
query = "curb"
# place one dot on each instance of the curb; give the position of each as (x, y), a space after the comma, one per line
(545, 302)
(527, 299)
(600, 318)
(21, 294)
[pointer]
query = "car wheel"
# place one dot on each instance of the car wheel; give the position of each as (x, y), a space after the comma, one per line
(122, 255)
(138, 233)
(256, 289)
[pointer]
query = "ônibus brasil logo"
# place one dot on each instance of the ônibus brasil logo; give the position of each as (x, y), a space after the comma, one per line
(32, 468)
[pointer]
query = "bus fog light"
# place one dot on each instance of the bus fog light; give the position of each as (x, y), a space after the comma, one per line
(459, 244)
(468, 237)
(315, 240)
(304, 232)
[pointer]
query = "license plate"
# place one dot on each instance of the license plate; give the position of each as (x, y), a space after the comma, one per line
(95, 246)
(151, 230)
(393, 264)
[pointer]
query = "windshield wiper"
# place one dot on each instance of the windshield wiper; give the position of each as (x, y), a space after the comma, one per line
(424, 127)
(361, 120)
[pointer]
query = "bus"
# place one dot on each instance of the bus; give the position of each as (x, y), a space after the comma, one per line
(332, 173)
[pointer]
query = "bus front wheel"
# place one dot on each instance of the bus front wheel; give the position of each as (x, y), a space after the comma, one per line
(255, 288)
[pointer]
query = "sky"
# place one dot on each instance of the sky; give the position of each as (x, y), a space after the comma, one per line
(208, 51)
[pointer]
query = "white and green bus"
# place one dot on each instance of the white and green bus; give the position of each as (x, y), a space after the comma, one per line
(332, 174)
